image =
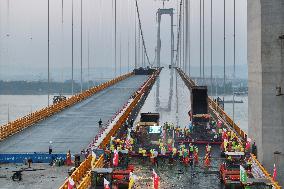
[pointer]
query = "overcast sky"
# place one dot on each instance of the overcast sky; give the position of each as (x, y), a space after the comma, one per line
(23, 36)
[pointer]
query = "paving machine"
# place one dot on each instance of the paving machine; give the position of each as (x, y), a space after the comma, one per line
(148, 128)
(230, 169)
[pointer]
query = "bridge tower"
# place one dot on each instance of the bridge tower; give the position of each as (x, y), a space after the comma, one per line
(159, 14)
(266, 79)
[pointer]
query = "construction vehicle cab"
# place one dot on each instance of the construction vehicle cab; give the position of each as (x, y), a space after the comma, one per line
(116, 178)
(230, 169)
(58, 98)
(120, 174)
(149, 127)
(98, 176)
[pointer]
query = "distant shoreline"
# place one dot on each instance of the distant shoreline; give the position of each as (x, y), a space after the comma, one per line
(41, 88)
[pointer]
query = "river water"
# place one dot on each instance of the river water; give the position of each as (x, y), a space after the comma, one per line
(169, 96)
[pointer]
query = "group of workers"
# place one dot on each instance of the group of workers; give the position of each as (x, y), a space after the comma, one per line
(165, 148)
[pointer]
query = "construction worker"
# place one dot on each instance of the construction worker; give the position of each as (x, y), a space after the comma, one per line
(180, 154)
(144, 154)
(50, 147)
(195, 156)
(140, 151)
(100, 122)
(174, 151)
(249, 164)
(225, 144)
(156, 158)
(68, 158)
(208, 149)
(152, 156)
(207, 160)
(186, 160)
(191, 149)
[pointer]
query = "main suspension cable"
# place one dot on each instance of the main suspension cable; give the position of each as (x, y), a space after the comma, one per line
(141, 33)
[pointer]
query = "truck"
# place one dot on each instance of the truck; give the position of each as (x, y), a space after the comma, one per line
(199, 104)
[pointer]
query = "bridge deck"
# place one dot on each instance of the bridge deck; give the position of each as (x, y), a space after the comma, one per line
(76, 126)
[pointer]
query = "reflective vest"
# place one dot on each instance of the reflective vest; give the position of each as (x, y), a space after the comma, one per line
(180, 152)
(144, 152)
(191, 148)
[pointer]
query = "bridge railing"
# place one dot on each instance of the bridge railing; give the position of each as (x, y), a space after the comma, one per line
(214, 105)
(20, 124)
(227, 118)
(82, 175)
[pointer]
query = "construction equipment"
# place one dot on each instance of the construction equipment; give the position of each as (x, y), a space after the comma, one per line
(230, 169)
(118, 177)
(149, 127)
(199, 104)
(58, 98)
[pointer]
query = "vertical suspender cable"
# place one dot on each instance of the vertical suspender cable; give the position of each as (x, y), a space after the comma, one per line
(183, 37)
(8, 31)
(128, 55)
(72, 84)
(120, 54)
(115, 67)
(186, 35)
(200, 39)
(88, 60)
(181, 33)
(189, 45)
(81, 46)
(138, 49)
(48, 76)
(128, 33)
(135, 40)
(234, 75)
(224, 82)
(62, 6)
(203, 44)
(62, 41)
(211, 48)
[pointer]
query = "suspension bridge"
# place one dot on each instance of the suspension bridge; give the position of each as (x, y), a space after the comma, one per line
(72, 124)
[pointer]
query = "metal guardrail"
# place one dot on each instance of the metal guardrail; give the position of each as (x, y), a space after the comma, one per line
(20, 124)
(189, 82)
(82, 175)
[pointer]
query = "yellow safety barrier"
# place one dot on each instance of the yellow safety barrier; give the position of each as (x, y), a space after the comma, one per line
(229, 120)
(275, 184)
(82, 175)
(20, 124)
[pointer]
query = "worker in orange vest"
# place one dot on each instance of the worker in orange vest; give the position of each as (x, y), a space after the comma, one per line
(195, 156)
(207, 160)
(68, 158)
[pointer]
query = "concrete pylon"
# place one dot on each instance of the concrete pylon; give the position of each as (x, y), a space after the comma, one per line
(159, 14)
(266, 73)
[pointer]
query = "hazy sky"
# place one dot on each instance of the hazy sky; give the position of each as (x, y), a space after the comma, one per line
(23, 35)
